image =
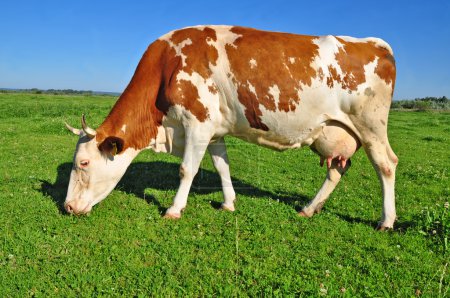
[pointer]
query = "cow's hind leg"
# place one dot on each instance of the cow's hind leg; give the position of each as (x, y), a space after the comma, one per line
(371, 124)
(385, 162)
(196, 143)
(334, 174)
(219, 156)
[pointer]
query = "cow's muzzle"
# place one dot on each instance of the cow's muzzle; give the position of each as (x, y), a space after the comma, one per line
(73, 207)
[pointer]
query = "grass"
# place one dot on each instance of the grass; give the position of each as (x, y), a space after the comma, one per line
(125, 248)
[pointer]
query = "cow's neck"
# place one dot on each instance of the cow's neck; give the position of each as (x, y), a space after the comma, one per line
(135, 118)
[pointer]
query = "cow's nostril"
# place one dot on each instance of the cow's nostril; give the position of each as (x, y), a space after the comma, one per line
(69, 208)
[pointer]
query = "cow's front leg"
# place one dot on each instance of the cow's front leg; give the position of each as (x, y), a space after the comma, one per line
(219, 156)
(334, 174)
(195, 147)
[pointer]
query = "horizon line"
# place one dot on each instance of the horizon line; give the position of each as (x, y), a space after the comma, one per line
(119, 93)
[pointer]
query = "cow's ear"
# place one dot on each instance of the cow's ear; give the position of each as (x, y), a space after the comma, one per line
(111, 146)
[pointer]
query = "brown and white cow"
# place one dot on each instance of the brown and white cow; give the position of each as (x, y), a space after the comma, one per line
(195, 85)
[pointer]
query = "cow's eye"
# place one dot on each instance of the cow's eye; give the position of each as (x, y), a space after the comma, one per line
(84, 163)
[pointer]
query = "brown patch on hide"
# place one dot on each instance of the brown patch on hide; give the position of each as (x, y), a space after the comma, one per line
(186, 94)
(352, 58)
(386, 69)
(212, 89)
(199, 54)
(282, 59)
(334, 77)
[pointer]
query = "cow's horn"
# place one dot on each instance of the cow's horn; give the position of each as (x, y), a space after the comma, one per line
(74, 130)
(87, 130)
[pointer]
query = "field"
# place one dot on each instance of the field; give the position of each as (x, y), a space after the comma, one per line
(125, 248)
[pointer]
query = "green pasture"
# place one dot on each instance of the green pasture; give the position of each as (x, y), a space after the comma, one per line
(125, 247)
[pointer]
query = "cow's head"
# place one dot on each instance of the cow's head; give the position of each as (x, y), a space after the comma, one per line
(98, 166)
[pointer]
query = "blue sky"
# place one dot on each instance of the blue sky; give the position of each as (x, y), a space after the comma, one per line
(96, 45)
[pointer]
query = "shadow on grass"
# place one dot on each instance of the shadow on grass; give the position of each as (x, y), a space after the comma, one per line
(399, 226)
(164, 176)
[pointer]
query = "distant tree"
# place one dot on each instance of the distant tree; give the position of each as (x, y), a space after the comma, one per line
(442, 99)
(423, 105)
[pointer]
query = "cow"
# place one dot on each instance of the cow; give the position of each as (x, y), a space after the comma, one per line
(195, 85)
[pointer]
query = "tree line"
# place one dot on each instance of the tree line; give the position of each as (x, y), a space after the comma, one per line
(422, 104)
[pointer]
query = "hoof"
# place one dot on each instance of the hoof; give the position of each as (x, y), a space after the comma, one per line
(383, 228)
(172, 216)
(304, 214)
(227, 207)
(319, 208)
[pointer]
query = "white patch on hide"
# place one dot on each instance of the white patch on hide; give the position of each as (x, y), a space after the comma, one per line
(252, 88)
(328, 48)
(275, 92)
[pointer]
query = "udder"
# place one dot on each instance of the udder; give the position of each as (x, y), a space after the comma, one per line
(335, 142)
